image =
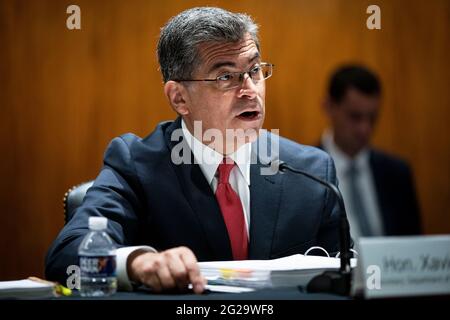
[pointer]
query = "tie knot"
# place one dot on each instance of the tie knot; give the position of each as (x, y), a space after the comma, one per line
(225, 168)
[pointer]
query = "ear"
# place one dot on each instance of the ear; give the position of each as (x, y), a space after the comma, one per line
(177, 95)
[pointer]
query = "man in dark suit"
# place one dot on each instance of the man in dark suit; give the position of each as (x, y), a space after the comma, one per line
(188, 192)
(378, 188)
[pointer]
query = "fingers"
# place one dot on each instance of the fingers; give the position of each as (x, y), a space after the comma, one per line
(173, 268)
(152, 281)
(165, 277)
(144, 270)
(178, 271)
(193, 271)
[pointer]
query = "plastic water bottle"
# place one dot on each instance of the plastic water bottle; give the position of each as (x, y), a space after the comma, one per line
(97, 258)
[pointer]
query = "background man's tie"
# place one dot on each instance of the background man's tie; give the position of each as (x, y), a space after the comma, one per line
(232, 212)
(356, 199)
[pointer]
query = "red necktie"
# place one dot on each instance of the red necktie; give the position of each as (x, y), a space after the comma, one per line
(232, 212)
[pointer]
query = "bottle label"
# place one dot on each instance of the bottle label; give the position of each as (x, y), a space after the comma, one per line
(98, 266)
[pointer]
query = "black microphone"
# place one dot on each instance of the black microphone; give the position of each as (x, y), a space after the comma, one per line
(337, 282)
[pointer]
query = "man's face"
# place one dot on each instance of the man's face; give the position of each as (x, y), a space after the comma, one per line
(239, 108)
(353, 120)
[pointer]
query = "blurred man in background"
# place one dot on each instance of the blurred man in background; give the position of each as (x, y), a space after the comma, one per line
(378, 189)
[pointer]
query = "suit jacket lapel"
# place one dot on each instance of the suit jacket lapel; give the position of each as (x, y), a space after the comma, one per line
(202, 201)
(265, 197)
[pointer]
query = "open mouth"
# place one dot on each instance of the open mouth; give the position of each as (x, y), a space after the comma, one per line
(249, 115)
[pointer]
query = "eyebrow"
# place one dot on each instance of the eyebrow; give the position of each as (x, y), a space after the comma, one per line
(231, 64)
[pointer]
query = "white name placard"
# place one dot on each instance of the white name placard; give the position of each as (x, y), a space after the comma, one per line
(403, 266)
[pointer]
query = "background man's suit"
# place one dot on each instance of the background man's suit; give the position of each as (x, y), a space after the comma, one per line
(395, 193)
(148, 200)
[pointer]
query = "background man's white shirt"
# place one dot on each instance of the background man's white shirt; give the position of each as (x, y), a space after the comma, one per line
(364, 182)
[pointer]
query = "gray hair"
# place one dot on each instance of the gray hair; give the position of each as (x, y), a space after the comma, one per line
(178, 43)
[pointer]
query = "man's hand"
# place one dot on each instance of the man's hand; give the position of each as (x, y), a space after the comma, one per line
(173, 268)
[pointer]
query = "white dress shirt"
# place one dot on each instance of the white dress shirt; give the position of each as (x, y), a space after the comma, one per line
(364, 182)
(208, 160)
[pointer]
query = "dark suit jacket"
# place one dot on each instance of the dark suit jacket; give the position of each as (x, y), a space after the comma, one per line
(396, 194)
(149, 200)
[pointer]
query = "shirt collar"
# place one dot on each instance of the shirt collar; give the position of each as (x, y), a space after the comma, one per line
(341, 159)
(208, 159)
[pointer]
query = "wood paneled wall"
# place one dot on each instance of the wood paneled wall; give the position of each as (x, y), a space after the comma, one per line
(65, 94)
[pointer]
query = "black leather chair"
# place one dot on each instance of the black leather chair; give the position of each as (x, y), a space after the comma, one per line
(73, 199)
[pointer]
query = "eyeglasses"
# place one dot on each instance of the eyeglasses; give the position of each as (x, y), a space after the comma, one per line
(231, 80)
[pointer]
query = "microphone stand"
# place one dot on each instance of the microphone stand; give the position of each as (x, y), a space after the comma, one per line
(336, 282)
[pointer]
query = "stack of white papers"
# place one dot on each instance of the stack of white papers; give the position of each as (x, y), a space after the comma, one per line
(25, 289)
(295, 270)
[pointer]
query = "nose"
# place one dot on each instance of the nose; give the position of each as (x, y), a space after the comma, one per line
(248, 88)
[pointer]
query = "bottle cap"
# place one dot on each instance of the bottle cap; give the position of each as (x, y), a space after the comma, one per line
(97, 223)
